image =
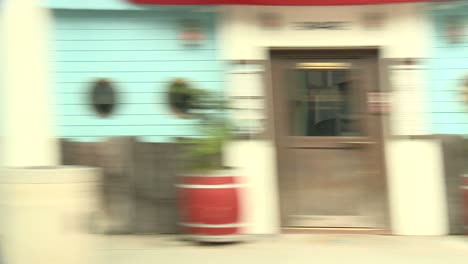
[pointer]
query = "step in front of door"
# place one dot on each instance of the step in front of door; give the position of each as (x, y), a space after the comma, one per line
(345, 221)
(340, 231)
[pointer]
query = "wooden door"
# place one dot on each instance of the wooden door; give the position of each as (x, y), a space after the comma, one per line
(329, 145)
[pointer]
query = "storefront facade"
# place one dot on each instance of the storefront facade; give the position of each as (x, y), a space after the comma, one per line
(340, 157)
(325, 146)
(334, 167)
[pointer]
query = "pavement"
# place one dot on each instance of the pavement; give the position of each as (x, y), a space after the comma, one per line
(309, 248)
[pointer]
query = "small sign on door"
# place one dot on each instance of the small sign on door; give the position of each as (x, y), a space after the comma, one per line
(378, 102)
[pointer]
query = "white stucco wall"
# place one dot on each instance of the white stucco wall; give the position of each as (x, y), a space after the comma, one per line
(403, 35)
(2, 84)
(27, 123)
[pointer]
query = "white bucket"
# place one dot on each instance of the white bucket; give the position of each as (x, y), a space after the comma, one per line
(44, 214)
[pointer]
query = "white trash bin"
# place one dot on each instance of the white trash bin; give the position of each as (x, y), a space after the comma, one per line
(44, 211)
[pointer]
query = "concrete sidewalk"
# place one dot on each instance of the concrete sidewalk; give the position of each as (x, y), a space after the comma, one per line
(360, 249)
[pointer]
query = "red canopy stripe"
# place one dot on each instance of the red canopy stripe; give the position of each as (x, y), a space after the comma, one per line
(273, 2)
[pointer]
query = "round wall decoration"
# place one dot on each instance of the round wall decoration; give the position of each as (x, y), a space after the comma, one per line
(181, 97)
(103, 97)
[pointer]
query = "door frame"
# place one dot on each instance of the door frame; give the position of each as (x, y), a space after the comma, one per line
(378, 119)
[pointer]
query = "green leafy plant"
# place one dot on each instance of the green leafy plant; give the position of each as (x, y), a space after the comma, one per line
(213, 131)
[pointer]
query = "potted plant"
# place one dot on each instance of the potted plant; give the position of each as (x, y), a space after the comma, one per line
(209, 191)
(213, 132)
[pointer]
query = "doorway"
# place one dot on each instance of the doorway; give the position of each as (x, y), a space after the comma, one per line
(329, 145)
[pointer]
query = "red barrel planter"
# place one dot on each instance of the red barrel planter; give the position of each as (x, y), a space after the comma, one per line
(464, 189)
(210, 207)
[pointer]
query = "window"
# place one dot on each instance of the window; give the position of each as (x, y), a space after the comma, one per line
(323, 102)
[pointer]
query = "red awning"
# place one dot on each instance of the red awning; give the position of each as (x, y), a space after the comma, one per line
(273, 2)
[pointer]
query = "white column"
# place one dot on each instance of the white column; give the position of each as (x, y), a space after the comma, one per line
(28, 136)
(418, 205)
(254, 159)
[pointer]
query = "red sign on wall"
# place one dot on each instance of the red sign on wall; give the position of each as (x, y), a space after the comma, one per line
(274, 2)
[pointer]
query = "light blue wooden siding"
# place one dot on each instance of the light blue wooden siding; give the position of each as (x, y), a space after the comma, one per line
(140, 52)
(448, 66)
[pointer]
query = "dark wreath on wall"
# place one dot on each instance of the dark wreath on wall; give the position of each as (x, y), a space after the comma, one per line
(182, 98)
